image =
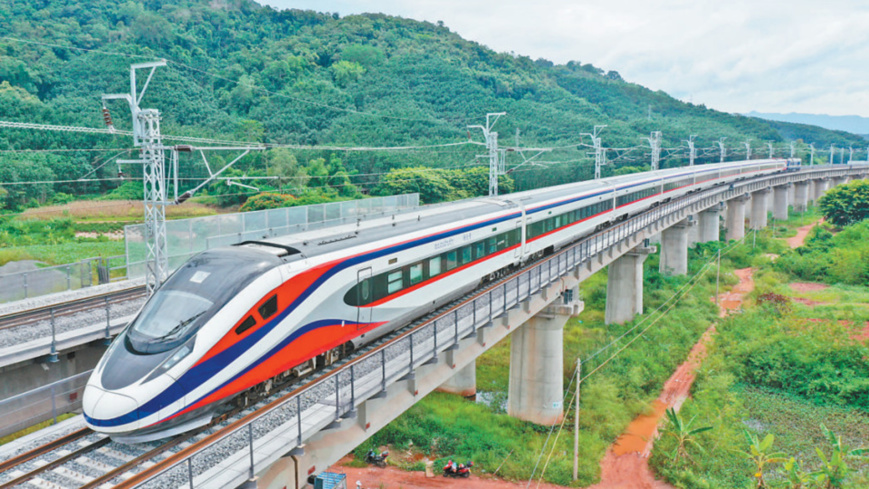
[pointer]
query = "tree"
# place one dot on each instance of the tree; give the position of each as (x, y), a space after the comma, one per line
(846, 204)
(760, 454)
(430, 184)
(683, 433)
(268, 201)
(346, 72)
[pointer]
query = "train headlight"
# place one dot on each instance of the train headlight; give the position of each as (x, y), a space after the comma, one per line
(177, 357)
(173, 360)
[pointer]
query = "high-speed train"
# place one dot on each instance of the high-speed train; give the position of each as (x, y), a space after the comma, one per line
(239, 318)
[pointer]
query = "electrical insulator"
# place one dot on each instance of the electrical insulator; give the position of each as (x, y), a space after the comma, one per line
(107, 117)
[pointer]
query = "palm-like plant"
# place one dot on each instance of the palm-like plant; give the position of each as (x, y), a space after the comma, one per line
(761, 455)
(835, 468)
(683, 433)
(796, 477)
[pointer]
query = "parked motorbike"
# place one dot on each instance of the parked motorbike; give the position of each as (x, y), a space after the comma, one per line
(379, 460)
(452, 469)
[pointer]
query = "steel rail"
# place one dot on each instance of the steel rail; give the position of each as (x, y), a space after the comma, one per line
(43, 449)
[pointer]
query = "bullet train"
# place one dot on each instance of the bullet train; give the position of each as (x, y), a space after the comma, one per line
(239, 319)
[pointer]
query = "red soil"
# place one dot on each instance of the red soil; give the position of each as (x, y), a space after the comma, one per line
(393, 478)
(625, 465)
(807, 286)
(802, 232)
(863, 335)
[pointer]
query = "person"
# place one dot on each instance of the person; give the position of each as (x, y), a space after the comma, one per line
(358, 485)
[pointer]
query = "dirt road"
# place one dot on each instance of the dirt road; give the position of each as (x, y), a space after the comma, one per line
(626, 464)
(802, 232)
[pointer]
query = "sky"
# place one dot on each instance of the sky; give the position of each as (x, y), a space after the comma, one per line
(809, 56)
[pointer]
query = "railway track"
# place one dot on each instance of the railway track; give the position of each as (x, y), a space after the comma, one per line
(72, 307)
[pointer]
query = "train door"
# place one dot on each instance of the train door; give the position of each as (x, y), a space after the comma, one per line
(519, 249)
(363, 291)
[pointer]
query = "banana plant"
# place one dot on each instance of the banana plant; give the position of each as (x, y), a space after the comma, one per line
(761, 455)
(834, 470)
(683, 433)
(796, 477)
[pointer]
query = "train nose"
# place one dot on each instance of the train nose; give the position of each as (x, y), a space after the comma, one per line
(100, 405)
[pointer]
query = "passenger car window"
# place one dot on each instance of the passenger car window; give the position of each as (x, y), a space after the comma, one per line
(393, 282)
(415, 274)
(434, 266)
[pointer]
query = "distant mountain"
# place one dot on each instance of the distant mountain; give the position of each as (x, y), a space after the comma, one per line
(849, 123)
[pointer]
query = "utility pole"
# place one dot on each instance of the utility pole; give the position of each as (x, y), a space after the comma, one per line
(723, 149)
(842, 155)
(850, 154)
(747, 149)
(793, 148)
(692, 151)
(576, 422)
(599, 152)
(146, 136)
(832, 152)
(812, 154)
(655, 143)
(497, 159)
(769, 145)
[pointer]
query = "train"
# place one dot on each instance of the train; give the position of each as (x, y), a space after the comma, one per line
(241, 319)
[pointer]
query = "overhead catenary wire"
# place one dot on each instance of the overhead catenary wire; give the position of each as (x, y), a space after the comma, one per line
(675, 298)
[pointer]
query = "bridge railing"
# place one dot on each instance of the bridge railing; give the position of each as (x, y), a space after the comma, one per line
(290, 420)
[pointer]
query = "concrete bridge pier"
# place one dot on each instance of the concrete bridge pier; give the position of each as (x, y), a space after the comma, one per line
(674, 248)
(709, 224)
(820, 188)
(624, 289)
(759, 209)
(536, 391)
(838, 181)
(736, 217)
(464, 383)
(693, 231)
(791, 194)
(801, 196)
(780, 202)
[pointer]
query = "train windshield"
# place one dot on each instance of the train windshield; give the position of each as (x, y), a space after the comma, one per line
(193, 295)
(170, 313)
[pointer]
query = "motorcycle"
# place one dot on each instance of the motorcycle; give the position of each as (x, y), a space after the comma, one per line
(452, 469)
(379, 460)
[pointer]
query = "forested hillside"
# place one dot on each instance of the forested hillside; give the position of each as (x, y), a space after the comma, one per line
(241, 71)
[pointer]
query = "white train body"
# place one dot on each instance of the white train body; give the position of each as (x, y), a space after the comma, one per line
(233, 318)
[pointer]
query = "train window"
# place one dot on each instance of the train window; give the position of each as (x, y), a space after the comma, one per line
(557, 220)
(466, 255)
(415, 274)
(393, 282)
(248, 323)
(493, 244)
(364, 291)
(479, 250)
(434, 266)
(452, 258)
(269, 307)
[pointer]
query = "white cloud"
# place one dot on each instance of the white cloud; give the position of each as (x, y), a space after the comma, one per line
(741, 55)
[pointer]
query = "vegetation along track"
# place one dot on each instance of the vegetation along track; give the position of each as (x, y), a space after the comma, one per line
(67, 308)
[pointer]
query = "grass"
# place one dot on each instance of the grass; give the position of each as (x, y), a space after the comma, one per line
(782, 372)
(26, 431)
(444, 425)
(62, 253)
